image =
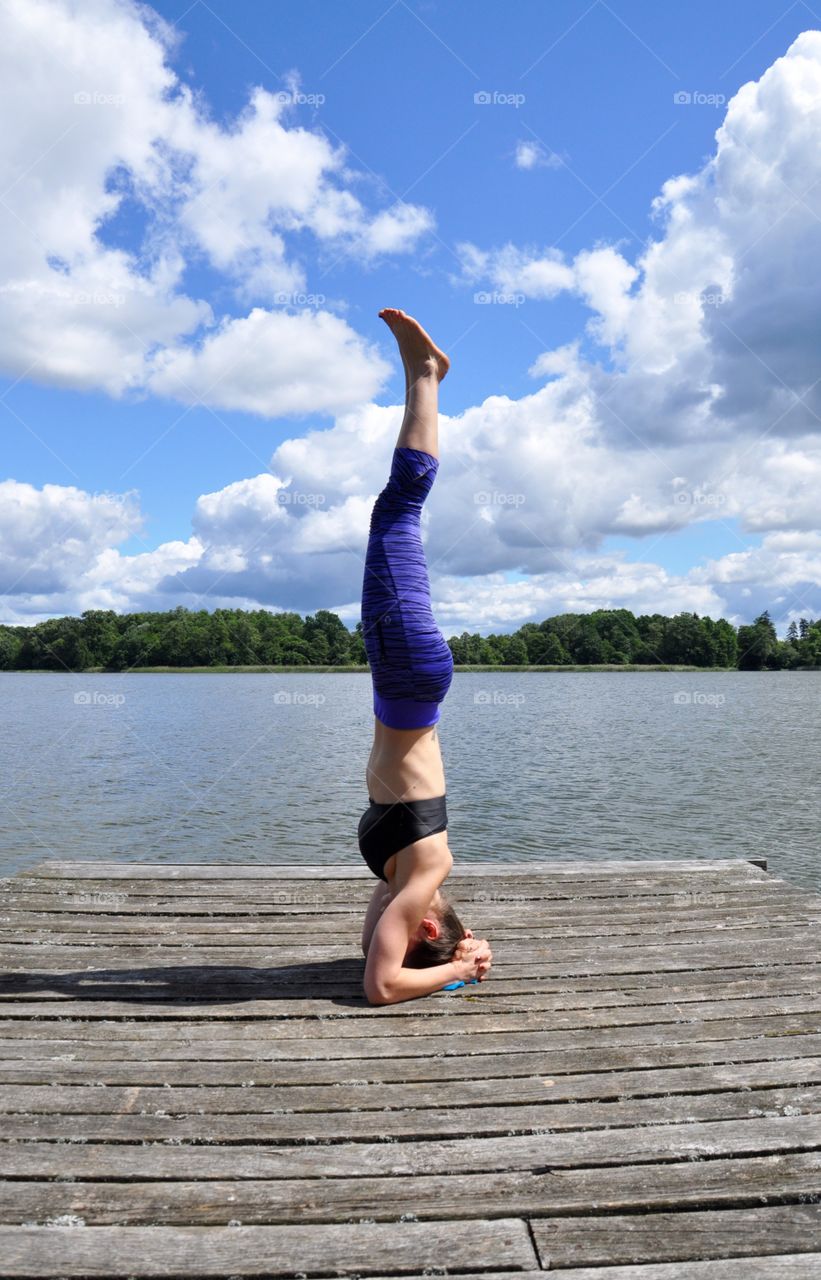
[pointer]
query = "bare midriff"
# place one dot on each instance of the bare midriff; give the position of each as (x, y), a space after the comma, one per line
(404, 764)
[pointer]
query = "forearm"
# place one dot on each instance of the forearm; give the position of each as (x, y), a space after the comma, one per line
(408, 983)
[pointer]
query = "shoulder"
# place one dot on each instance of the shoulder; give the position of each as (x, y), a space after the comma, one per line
(427, 860)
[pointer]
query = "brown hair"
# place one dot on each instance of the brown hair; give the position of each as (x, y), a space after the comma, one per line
(431, 951)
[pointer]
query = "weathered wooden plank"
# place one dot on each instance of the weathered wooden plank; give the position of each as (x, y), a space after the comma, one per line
(345, 993)
(521, 889)
(596, 1240)
(334, 1249)
(256, 1018)
(21, 951)
(93, 868)
(747, 1064)
(163, 1039)
(28, 924)
(271, 990)
(518, 891)
(538, 1034)
(241, 1001)
(264, 1251)
(198, 915)
(757, 939)
(175, 934)
(746, 1102)
(237, 992)
(309, 1071)
(804, 1266)
(178, 936)
(767, 1267)
(591, 1148)
(215, 1040)
(578, 912)
(536, 884)
(804, 928)
(508, 910)
(465, 1193)
(201, 907)
(404, 1058)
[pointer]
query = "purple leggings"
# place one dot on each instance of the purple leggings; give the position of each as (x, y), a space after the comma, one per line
(411, 663)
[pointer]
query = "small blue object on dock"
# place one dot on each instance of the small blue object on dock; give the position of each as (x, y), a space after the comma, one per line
(451, 986)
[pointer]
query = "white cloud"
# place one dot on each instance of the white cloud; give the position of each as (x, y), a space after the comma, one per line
(49, 536)
(711, 332)
(603, 582)
(604, 279)
(514, 270)
(295, 538)
(705, 410)
(273, 364)
(115, 581)
(532, 155)
(103, 128)
(395, 230)
(246, 187)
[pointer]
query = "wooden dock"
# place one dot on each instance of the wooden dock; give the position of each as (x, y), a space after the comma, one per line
(193, 1084)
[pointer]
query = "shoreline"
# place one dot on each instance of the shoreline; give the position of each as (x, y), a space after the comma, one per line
(570, 668)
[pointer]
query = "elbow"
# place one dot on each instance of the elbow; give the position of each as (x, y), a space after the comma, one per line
(377, 981)
(378, 993)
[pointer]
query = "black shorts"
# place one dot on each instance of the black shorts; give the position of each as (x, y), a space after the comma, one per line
(384, 829)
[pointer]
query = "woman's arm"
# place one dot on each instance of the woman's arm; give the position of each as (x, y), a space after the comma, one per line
(392, 934)
(378, 902)
(387, 979)
(407, 984)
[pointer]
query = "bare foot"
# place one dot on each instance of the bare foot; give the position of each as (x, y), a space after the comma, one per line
(420, 354)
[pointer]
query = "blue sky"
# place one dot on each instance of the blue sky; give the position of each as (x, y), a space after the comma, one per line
(584, 132)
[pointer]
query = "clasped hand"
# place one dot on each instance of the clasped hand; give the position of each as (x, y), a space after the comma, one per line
(472, 957)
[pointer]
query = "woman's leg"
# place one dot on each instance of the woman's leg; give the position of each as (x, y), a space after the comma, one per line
(425, 367)
(410, 661)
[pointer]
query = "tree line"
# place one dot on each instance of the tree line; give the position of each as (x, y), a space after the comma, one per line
(235, 637)
(617, 637)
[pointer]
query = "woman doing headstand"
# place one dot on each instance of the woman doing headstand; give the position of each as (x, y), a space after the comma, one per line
(413, 940)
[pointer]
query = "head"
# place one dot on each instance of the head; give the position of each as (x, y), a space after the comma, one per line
(436, 938)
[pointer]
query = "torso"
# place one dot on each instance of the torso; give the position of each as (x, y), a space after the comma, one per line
(404, 764)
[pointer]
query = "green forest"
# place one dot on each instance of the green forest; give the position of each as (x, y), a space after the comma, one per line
(102, 639)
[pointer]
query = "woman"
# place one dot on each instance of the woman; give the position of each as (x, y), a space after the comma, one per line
(412, 937)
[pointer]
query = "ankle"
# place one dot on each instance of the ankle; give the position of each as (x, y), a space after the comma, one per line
(428, 367)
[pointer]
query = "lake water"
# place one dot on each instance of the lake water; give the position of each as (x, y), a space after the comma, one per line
(270, 768)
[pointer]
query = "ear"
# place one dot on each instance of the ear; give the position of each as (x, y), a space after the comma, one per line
(430, 928)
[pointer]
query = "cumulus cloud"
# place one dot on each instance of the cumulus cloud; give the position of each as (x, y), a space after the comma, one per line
(110, 135)
(49, 536)
(514, 270)
(115, 581)
(703, 408)
(713, 326)
(273, 364)
(243, 188)
(395, 230)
